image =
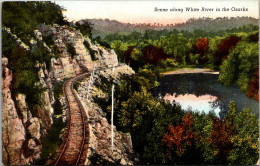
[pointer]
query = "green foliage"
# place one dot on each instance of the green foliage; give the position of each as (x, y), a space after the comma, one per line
(48, 39)
(193, 28)
(8, 44)
(214, 140)
(25, 75)
(194, 58)
(71, 50)
(85, 28)
(228, 70)
(246, 150)
(76, 85)
(164, 115)
(240, 65)
(142, 115)
(233, 140)
(25, 80)
(23, 17)
(119, 48)
(168, 63)
(51, 142)
(146, 78)
(91, 51)
(22, 64)
(137, 55)
(102, 43)
(58, 91)
(203, 125)
(41, 55)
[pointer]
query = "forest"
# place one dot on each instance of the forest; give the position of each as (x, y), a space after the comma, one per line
(233, 53)
(173, 135)
(104, 27)
(162, 133)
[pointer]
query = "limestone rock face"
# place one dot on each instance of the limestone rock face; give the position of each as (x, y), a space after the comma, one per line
(100, 129)
(45, 112)
(22, 106)
(23, 129)
(115, 76)
(65, 65)
(13, 131)
(12, 128)
(34, 128)
(104, 56)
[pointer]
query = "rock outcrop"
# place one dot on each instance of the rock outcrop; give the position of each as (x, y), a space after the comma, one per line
(65, 66)
(100, 148)
(17, 147)
(23, 128)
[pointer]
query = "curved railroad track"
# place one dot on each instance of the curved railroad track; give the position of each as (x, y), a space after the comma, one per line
(74, 150)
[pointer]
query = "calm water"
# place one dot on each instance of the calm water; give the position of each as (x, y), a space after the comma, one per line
(202, 92)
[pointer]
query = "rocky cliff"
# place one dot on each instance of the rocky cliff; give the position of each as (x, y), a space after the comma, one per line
(23, 128)
(100, 148)
(20, 131)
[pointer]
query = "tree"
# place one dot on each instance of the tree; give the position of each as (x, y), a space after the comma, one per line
(137, 55)
(119, 48)
(23, 17)
(202, 47)
(240, 65)
(248, 58)
(102, 43)
(224, 48)
(246, 144)
(127, 54)
(146, 78)
(180, 136)
(153, 55)
(253, 90)
(85, 28)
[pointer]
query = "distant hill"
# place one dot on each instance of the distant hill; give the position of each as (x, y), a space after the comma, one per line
(103, 27)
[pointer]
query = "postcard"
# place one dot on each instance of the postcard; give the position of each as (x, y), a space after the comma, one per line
(130, 82)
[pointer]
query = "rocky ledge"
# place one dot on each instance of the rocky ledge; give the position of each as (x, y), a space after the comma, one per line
(100, 147)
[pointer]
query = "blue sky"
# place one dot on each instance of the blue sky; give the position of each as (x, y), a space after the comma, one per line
(143, 11)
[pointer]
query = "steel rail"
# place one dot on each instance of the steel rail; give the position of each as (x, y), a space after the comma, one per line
(82, 111)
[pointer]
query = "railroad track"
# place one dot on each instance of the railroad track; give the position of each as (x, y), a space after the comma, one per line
(74, 149)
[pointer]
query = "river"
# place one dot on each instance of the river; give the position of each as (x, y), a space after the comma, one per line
(202, 92)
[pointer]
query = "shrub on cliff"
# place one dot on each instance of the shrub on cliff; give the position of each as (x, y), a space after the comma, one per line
(85, 28)
(23, 17)
(22, 64)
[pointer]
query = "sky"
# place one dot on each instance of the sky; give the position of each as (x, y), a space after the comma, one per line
(144, 11)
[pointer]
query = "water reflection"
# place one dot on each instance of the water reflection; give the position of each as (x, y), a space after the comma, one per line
(201, 103)
(202, 92)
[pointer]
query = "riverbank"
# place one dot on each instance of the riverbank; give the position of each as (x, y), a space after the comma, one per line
(190, 70)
